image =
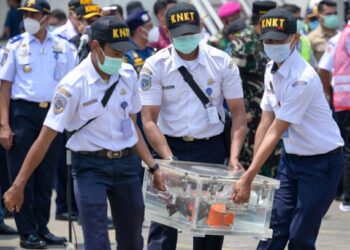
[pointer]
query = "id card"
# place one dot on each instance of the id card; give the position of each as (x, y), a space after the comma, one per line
(213, 115)
(127, 128)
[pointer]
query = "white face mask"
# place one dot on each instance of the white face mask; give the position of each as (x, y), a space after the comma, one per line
(152, 35)
(31, 25)
(278, 52)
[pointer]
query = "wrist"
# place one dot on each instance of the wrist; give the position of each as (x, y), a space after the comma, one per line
(19, 185)
(154, 168)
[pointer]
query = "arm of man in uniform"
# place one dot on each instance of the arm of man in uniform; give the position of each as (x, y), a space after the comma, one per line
(326, 78)
(238, 130)
(14, 196)
(266, 120)
(298, 97)
(274, 133)
(5, 132)
(143, 152)
(153, 133)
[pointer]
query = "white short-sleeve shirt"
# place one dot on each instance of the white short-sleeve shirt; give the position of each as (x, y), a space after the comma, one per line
(78, 99)
(35, 68)
(295, 94)
(327, 60)
(181, 111)
(67, 30)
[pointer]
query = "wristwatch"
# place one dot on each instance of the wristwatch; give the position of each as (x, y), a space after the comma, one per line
(153, 169)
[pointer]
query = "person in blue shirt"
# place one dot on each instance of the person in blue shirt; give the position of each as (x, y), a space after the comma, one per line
(142, 32)
(13, 19)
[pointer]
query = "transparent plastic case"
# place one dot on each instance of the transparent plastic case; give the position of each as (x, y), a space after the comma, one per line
(199, 199)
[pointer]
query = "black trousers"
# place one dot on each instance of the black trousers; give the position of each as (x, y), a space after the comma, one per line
(344, 124)
(26, 122)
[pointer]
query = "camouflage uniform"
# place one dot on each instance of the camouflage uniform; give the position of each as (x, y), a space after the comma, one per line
(219, 41)
(248, 53)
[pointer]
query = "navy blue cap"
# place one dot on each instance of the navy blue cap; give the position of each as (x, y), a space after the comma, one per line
(36, 6)
(277, 24)
(181, 19)
(112, 31)
(137, 18)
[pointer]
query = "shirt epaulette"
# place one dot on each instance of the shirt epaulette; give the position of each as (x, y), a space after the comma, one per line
(16, 39)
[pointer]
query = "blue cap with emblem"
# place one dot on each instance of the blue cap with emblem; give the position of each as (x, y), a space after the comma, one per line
(36, 6)
(137, 19)
(181, 19)
(112, 31)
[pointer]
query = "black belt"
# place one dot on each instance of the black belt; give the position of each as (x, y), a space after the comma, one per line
(190, 138)
(109, 153)
(335, 151)
(42, 105)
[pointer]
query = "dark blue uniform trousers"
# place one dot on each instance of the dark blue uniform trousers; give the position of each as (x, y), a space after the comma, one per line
(162, 237)
(26, 120)
(308, 187)
(96, 179)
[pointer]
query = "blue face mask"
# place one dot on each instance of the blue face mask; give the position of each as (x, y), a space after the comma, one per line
(300, 26)
(313, 24)
(278, 52)
(111, 65)
(330, 21)
(187, 44)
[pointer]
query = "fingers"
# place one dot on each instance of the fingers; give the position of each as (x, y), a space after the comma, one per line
(7, 142)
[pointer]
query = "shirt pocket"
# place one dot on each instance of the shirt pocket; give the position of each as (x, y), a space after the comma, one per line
(60, 68)
(174, 94)
(25, 62)
(89, 111)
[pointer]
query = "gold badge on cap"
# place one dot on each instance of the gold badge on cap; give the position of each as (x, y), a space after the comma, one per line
(27, 68)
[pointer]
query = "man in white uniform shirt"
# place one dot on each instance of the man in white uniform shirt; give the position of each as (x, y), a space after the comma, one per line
(294, 108)
(176, 122)
(98, 102)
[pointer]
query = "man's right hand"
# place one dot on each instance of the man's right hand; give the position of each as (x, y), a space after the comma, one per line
(6, 137)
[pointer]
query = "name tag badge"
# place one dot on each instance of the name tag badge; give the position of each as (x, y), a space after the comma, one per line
(127, 128)
(213, 115)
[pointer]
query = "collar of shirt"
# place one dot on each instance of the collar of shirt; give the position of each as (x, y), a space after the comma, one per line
(30, 38)
(177, 62)
(286, 66)
(327, 33)
(70, 30)
(93, 76)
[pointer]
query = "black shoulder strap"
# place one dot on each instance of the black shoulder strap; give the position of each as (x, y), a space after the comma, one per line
(104, 102)
(194, 86)
(196, 89)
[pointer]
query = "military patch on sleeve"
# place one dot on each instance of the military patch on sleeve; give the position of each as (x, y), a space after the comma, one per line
(64, 92)
(299, 83)
(4, 57)
(146, 82)
(59, 103)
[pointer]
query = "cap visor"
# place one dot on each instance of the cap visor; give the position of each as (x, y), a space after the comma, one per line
(184, 29)
(274, 35)
(28, 9)
(87, 16)
(121, 46)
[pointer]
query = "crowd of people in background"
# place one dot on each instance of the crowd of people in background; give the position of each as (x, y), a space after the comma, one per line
(320, 43)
